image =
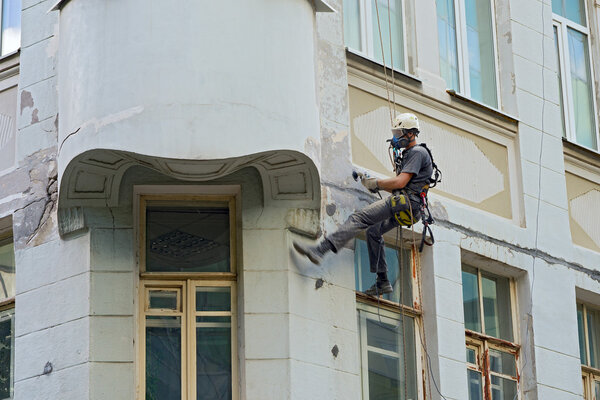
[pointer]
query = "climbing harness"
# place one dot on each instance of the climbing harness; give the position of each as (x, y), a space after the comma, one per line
(403, 216)
(409, 220)
(396, 155)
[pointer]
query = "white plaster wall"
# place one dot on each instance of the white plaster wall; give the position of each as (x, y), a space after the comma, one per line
(52, 320)
(250, 86)
(201, 80)
(112, 315)
(289, 326)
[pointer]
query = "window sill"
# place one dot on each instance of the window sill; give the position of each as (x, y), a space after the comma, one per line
(573, 147)
(375, 67)
(491, 339)
(581, 160)
(482, 106)
(7, 303)
(13, 55)
(386, 304)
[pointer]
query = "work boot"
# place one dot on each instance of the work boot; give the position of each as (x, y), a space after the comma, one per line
(314, 252)
(379, 288)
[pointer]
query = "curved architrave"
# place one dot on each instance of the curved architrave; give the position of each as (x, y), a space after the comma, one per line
(92, 179)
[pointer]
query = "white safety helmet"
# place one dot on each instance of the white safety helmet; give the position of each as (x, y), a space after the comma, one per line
(405, 121)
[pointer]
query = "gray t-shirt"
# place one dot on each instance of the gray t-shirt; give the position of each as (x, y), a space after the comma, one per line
(416, 161)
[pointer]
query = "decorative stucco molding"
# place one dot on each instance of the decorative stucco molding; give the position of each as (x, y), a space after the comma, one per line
(93, 178)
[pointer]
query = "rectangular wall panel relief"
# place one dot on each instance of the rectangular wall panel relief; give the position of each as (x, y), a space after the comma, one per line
(584, 197)
(476, 169)
(8, 113)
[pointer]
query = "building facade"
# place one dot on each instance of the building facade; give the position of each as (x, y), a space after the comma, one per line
(157, 159)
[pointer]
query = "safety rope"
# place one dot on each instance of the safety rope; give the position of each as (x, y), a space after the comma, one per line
(400, 257)
(392, 110)
(387, 89)
(389, 13)
(415, 253)
(422, 336)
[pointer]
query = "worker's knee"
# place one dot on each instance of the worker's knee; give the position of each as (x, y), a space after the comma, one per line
(399, 203)
(374, 231)
(356, 217)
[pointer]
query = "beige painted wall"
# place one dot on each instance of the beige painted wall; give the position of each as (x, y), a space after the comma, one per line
(8, 111)
(476, 170)
(583, 220)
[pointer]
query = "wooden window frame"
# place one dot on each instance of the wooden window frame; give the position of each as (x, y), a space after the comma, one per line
(562, 25)
(160, 199)
(185, 283)
(188, 316)
(482, 343)
(393, 311)
(589, 374)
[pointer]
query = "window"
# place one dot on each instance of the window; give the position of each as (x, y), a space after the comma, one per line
(588, 324)
(388, 329)
(11, 26)
(490, 349)
(466, 38)
(571, 37)
(7, 317)
(188, 298)
(361, 30)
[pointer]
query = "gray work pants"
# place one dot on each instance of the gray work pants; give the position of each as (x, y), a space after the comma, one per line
(377, 218)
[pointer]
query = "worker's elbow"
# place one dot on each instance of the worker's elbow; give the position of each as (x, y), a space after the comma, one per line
(400, 183)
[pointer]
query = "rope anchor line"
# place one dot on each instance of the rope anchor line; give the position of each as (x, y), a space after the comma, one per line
(392, 110)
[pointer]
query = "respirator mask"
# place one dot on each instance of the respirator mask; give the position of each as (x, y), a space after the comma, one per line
(400, 139)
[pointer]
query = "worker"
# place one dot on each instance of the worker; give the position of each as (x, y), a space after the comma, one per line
(413, 176)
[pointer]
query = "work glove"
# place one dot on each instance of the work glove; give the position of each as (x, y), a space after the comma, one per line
(370, 184)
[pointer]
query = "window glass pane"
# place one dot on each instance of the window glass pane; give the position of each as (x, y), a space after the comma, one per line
(393, 16)
(7, 270)
(560, 88)
(187, 239)
(383, 336)
(365, 278)
(596, 389)
(580, 329)
(213, 298)
(387, 372)
(471, 299)
(502, 362)
(557, 7)
(570, 9)
(11, 26)
(496, 306)
(163, 299)
(475, 390)
(446, 23)
(163, 357)
(213, 358)
(384, 377)
(7, 337)
(581, 86)
(352, 24)
(593, 321)
(503, 389)
(471, 356)
(482, 69)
